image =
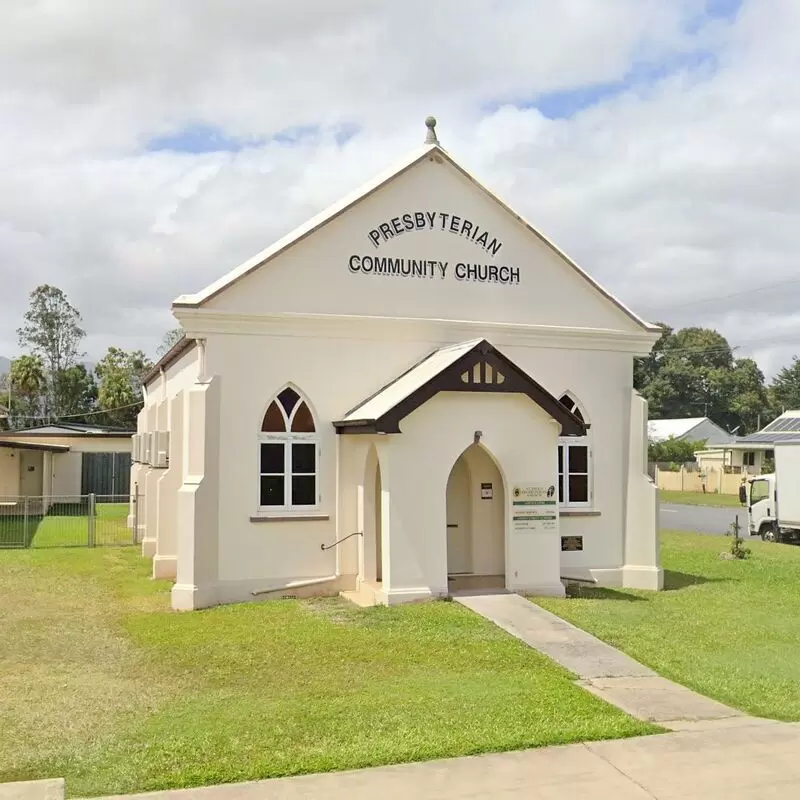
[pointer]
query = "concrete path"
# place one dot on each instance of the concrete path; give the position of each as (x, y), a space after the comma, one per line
(750, 762)
(602, 669)
(52, 789)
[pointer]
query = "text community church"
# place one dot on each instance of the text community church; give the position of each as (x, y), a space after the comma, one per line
(432, 268)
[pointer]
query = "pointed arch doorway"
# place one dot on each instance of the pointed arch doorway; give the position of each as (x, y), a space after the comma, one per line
(476, 522)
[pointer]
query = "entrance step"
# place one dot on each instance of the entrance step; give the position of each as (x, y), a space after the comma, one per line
(365, 596)
(475, 583)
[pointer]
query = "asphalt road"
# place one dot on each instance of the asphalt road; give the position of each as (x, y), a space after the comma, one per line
(703, 519)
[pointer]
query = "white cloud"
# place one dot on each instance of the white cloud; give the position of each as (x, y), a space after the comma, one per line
(671, 192)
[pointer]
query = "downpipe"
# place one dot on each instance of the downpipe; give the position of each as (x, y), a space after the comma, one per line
(297, 585)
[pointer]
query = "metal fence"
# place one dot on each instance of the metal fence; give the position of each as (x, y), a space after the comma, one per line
(87, 520)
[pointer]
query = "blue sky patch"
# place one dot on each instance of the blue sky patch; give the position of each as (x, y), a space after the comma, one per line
(199, 139)
(565, 103)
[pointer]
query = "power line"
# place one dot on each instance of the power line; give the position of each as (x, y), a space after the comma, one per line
(59, 417)
(741, 293)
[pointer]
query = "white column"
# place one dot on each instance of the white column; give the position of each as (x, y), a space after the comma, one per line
(198, 500)
(166, 557)
(642, 567)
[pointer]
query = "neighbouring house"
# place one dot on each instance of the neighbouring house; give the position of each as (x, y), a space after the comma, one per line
(413, 392)
(753, 453)
(64, 461)
(692, 429)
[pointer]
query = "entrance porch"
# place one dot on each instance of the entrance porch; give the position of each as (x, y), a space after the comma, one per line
(434, 506)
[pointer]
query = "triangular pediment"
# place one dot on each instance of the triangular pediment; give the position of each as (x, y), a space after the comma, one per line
(425, 240)
(474, 366)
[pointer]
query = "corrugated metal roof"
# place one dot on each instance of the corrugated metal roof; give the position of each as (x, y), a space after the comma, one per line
(387, 398)
(784, 428)
(659, 430)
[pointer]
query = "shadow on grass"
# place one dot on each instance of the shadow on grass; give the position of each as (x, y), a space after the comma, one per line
(673, 581)
(602, 593)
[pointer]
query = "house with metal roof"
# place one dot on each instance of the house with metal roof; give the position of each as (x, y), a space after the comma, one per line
(691, 429)
(64, 461)
(753, 453)
(413, 393)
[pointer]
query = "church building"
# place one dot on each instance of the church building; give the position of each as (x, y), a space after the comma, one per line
(412, 394)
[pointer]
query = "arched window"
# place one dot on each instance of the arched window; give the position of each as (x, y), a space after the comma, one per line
(574, 463)
(289, 454)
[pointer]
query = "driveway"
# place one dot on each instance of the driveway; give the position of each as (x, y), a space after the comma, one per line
(703, 519)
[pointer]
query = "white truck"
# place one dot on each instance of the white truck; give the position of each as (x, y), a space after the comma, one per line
(773, 501)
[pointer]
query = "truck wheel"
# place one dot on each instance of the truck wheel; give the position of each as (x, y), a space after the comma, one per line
(767, 532)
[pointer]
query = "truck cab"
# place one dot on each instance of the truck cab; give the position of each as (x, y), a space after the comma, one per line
(761, 507)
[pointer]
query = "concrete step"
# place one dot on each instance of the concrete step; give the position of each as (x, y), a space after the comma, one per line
(363, 596)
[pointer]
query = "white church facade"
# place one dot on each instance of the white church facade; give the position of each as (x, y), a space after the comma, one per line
(413, 393)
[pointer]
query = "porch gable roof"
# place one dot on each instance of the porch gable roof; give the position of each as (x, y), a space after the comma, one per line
(472, 366)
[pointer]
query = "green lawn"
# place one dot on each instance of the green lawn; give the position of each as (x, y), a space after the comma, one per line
(700, 499)
(103, 685)
(728, 629)
(65, 525)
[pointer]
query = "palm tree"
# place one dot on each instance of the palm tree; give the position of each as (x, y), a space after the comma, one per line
(27, 388)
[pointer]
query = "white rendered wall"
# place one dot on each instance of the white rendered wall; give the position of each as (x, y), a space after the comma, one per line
(9, 472)
(337, 373)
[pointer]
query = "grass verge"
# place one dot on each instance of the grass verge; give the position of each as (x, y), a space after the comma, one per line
(727, 629)
(105, 686)
(700, 499)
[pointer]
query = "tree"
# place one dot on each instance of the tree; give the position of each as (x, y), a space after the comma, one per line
(76, 391)
(120, 391)
(28, 386)
(52, 331)
(171, 338)
(692, 373)
(785, 388)
(673, 450)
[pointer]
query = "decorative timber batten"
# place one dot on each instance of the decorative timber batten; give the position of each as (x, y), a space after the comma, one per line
(475, 366)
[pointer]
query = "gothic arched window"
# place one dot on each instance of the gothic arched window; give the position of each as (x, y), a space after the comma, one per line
(574, 462)
(289, 454)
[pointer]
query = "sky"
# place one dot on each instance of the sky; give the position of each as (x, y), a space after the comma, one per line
(146, 148)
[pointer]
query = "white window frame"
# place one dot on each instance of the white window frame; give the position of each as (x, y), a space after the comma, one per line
(287, 439)
(564, 443)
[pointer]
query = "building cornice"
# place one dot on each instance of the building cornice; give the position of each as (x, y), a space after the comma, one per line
(200, 323)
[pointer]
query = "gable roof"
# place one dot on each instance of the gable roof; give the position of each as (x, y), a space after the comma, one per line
(298, 234)
(473, 366)
(659, 430)
(70, 429)
(47, 448)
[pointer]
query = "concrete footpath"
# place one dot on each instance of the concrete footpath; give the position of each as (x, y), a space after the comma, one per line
(602, 669)
(755, 761)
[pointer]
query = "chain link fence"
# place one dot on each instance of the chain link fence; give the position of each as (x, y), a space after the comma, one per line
(88, 520)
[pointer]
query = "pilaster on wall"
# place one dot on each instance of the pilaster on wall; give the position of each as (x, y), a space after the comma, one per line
(166, 555)
(157, 421)
(198, 500)
(349, 510)
(136, 477)
(642, 567)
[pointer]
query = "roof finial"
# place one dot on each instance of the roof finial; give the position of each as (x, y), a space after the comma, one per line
(430, 124)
